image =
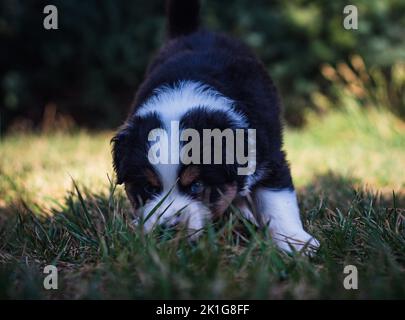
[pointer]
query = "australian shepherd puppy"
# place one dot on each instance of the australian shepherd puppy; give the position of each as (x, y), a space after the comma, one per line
(207, 85)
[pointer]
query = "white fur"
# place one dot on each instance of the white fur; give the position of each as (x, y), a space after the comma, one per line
(171, 103)
(279, 209)
(176, 208)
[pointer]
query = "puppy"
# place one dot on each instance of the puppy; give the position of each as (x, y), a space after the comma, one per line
(202, 82)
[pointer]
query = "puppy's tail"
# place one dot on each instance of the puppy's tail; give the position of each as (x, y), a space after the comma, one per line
(183, 17)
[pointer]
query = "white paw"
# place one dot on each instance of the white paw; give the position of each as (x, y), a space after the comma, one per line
(301, 241)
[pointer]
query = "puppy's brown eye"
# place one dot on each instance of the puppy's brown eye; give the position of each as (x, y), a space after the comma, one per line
(196, 187)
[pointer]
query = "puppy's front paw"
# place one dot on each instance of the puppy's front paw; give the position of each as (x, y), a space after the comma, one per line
(301, 241)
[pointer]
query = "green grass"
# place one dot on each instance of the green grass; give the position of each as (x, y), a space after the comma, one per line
(348, 169)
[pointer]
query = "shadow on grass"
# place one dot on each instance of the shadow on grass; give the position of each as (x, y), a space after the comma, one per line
(100, 254)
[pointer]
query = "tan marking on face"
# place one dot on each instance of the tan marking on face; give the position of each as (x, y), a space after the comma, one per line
(189, 175)
(228, 193)
(152, 178)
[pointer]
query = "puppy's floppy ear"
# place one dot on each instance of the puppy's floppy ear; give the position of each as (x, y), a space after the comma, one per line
(129, 146)
(120, 143)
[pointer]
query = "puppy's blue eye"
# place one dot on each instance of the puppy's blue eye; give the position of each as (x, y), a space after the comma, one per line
(196, 187)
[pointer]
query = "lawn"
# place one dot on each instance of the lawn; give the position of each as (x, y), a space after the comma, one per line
(59, 205)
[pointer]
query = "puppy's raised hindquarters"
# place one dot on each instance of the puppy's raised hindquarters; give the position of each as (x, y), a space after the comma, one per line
(205, 129)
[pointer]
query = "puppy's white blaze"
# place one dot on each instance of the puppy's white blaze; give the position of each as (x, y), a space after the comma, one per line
(172, 102)
(176, 208)
(160, 143)
(280, 209)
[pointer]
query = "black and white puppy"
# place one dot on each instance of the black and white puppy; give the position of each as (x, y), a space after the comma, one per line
(202, 80)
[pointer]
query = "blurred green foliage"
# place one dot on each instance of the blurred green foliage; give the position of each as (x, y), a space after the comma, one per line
(91, 66)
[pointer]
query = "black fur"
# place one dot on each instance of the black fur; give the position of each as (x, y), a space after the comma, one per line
(226, 65)
(183, 17)
(130, 150)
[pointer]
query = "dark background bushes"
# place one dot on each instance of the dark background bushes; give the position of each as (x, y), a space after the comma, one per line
(89, 69)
